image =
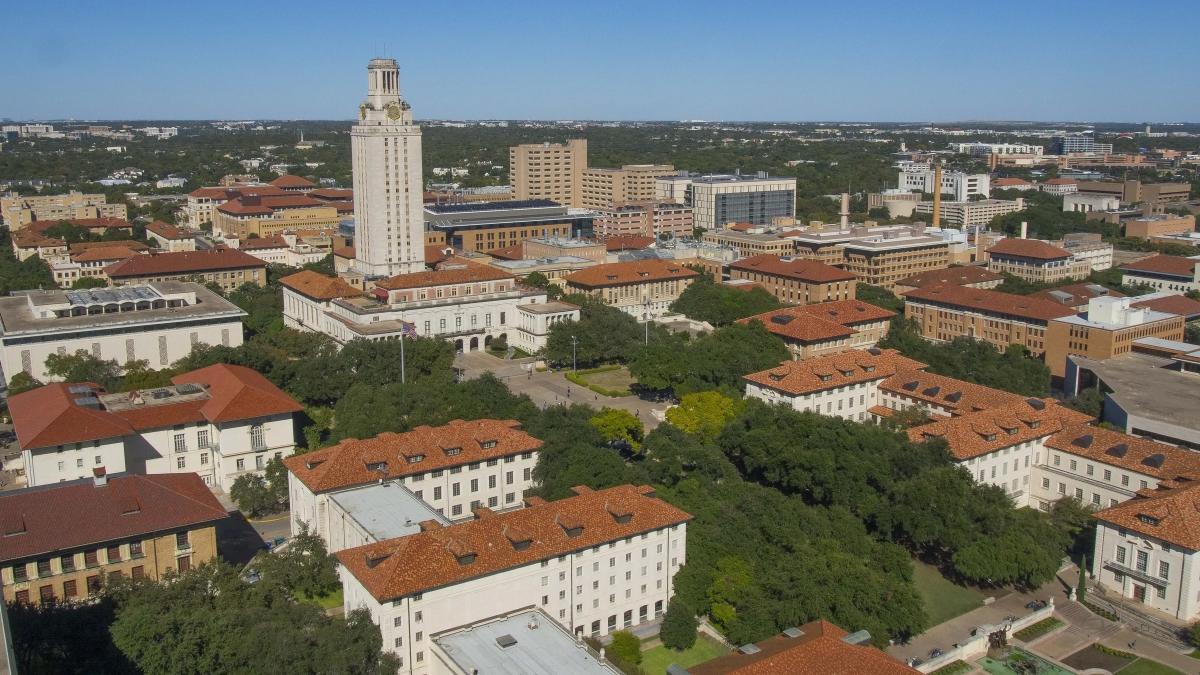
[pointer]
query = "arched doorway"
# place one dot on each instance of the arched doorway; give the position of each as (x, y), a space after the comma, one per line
(475, 344)
(458, 346)
(487, 341)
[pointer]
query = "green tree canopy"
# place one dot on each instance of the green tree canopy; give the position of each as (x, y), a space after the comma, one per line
(720, 305)
(703, 413)
(618, 425)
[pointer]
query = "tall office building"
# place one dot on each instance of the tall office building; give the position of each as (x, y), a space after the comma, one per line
(1079, 143)
(721, 200)
(385, 148)
(630, 184)
(549, 171)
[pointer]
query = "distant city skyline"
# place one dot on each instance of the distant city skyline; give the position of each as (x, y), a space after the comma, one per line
(866, 61)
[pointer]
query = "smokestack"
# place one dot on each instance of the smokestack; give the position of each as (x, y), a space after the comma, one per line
(937, 194)
(1024, 229)
(845, 210)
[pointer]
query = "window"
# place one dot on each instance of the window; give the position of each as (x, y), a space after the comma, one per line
(20, 572)
(456, 510)
(474, 485)
(202, 438)
(185, 563)
(1121, 555)
(93, 584)
(138, 572)
(69, 589)
(241, 464)
(257, 441)
(455, 490)
(1164, 569)
(114, 554)
(180, 443)
(91, 559)
(67, 562)
(43, 568)
(1161, 591)
(181, 540)
(417, 637)
(22, 597)
(181, 462)
(1045, 483)
(437, 493)
(421, 655)
(135, 549)
(1143, 560)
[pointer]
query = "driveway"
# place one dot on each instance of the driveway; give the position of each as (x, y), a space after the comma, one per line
(553, 388)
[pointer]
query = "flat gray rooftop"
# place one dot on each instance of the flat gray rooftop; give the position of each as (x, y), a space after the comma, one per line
(1144, 389)
(386, 510)
(547, 649)
(16, 317)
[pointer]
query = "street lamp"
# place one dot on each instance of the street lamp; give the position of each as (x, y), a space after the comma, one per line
(574, 361)
(647, 305)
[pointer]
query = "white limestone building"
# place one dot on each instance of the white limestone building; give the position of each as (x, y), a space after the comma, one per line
(159, 322)
(385, 150)
(962, 186)
(596, 562)
(219, 422)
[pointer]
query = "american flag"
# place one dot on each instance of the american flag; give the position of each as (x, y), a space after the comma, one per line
(408, 329)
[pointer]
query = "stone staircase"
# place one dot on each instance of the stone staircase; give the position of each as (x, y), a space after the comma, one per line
(1085, 625)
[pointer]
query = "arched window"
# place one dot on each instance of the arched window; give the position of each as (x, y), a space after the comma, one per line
(257, 441)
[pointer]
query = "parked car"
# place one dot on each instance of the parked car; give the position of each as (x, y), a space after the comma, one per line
(1035, 604)
(935, 652)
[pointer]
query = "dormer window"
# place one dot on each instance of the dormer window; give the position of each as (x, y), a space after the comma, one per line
(413, 459)
(1148, 520)
(377, 466)
(450, 452)
(989, 437)
(868, 369)
(488, 445)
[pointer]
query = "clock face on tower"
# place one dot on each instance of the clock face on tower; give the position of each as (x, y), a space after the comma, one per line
(393, 111)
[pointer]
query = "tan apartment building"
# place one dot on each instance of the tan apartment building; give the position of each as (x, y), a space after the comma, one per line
(794, 280)
(551, 171)
(946, 312)
(1135, 191)
(643, 288)
(65, 542)
(826, 327)
(646, 219)
(1107, 329)
(17, 211)
(1035, 261)
(750, 243)
(225, 267)
(632, 183)
(553, 247)
(1157, 225)
(267, 216)
(883, 261)
(979, 212)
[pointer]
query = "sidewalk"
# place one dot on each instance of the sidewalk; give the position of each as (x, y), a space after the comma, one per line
(1152, 650)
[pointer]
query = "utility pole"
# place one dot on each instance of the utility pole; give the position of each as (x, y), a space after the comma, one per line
(647, 320)
(402, 354)
(574, 361)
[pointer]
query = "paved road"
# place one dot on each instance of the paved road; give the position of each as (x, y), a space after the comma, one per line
(551, 388)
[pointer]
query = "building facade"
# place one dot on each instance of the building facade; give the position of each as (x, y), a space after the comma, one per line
(979, 212)
(596, 562)
(827, 327)
(17, 211)
(947, 312)
(64, 543)
(644, 289)
(962, 186)
(159, 323)
(1036, 261)
(551, 171)
(385, 150)
(489, 226)
(1137, 192)
(719, 200)
(1163, 273)
(794, 280)
(226, 267)
(219, 422)
(1106, 330)
(632, 183)
(666, 220)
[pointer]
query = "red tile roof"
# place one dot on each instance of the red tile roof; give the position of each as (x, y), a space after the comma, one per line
(30, 239)
(986, 431)
(1170, 513)
(506, 253)
(68, 516)
(332, 194)
(1062, 181)
(1165, 264)
(436, 253)
(1028, 248)
(345, 464)
(1172, 304)
(809, 271)
(227, 193)
(634, 272)
(132, 245)
(289, 181)
(821, 321)
(319, 286)
(88, 223)
(956, 396)
(452, 271)
(265, 205)
(960, 275)
(183, 262)
(169, 231)
(49, 416)
(819, 650)
(1009, 182)
(238, 393)
(630, 242)
(443, 556)
(993, 302)
(1079, 294)
(102, 253)
(256, 243)
(1128, 452)
(833, 370)
(344, 252)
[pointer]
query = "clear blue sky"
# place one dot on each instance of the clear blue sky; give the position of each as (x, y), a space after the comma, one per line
(609, 59)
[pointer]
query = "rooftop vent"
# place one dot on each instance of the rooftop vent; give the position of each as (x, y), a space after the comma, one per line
(792, 632)
(782, 319)
(505, 641)
(1084, 441)
(932, 391)
(874, 351)
(910, 386)
(1036, 403)
(749, 648)
(373, 560)
(954, 397)
(1118, 450)
(14, 524)
(858, 637)
(619, 513)
(573, 528)
(1156, 460)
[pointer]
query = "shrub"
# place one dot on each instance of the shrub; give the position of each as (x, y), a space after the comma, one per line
(626, 646)
(678, 626)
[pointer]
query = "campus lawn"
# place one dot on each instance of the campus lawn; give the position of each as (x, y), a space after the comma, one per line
(605, 380)
(656, 660)
(1147, 667)
(329, 601)
(943, 600)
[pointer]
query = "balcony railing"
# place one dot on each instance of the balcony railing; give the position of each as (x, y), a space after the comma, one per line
(1140, 575)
